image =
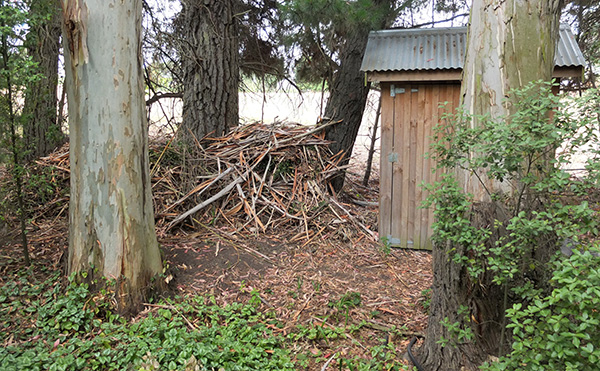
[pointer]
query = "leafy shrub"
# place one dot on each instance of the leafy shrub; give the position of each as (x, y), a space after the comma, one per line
(560, 331)
(510, 241)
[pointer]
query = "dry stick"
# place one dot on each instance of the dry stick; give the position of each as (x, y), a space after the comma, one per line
(218, 235)
(310, 132)
(279, 201)
(253, 200)
(275, 140)
(255, 216)
(274, 206)
(251, 220)
(364, 203)
(160, 157)
(299, 236)
(252, 251)
(240, 192)
(250, 211)
(303, 307)
(216, 179)
(217, 196)
(245, 206)
(315, 235)
(365, 181)
(336, 213)
(262, 183)
(296, 237)
(295, 184)
(191, 325)
(353, 219)
(219, 164)
(270, 216)
(305, 223)
(225, 217)
(205, 203)
(397, 276)
(328, 362)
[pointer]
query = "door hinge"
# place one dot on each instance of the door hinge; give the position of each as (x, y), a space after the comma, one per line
(394, 90)
(393, 242)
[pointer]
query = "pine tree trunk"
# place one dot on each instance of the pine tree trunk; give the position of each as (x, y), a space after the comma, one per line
(210, 58)
(348, 98)
(111, 221)
(348, 95)
(42, 133)
(511, 43)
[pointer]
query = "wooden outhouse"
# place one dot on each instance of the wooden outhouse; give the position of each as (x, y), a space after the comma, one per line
(419, 70)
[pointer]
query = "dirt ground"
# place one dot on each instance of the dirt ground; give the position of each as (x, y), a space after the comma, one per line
(299, 282)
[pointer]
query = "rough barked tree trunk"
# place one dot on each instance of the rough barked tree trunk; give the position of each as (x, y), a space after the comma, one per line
(210, 59)
(348, 93)
(42, 132)
(111, 218)
(511, 43)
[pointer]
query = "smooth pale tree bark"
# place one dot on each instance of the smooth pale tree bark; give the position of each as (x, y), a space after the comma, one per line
(42, 132)
(210, 59)
(511, 43)
(111, 221)
(349, 91)
(508, 47)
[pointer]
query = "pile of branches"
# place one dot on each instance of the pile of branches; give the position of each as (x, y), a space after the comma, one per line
(258, 178)
(45, 187)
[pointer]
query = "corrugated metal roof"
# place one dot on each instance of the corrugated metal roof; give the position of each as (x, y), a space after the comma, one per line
(568, 53)
(441, 49)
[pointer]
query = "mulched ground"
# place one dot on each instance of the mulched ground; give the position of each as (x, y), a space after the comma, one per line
(298, 282)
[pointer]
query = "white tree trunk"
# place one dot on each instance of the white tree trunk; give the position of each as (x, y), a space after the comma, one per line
(111, 221)
(510, 43)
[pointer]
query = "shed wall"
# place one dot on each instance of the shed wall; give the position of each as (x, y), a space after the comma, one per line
(408, 119)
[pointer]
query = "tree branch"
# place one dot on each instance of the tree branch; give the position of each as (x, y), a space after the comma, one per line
(158, 96)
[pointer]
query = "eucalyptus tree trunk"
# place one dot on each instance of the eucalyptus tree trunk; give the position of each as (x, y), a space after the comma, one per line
(210, 61)
(511, 43)
(42, 132)
(111, 219)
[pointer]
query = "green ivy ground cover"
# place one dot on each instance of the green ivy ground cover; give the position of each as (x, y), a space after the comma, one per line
(46, 326)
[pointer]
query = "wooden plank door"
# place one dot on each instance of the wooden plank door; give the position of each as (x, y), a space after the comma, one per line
(410, 111)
